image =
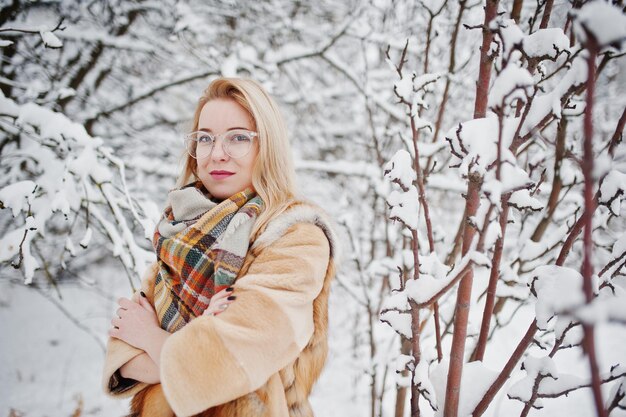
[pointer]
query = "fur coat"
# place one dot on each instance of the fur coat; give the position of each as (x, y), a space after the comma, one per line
(262, 355)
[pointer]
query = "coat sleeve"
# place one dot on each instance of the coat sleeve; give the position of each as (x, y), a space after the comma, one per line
(119, 352)
(215, 359)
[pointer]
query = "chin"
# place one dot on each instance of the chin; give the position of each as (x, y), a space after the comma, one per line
(222, 193)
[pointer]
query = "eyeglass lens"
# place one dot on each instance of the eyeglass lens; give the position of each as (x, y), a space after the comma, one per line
(236, 144)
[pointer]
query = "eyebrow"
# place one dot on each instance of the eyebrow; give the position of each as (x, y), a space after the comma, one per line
(204, 129)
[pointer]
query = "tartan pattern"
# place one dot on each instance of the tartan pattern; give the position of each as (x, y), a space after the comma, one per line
(201, 252)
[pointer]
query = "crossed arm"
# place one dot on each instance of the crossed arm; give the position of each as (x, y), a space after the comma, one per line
(137, 324)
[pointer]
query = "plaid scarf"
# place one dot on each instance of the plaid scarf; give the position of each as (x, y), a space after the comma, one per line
(200, 246)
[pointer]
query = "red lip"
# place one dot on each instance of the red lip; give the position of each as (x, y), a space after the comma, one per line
(218, 174)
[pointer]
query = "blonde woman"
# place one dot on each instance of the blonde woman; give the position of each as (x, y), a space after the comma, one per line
(232, 318)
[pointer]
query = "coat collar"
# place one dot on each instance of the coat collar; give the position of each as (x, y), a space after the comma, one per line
(300, 212)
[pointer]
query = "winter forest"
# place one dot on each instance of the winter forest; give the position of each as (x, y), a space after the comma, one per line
(470, 153)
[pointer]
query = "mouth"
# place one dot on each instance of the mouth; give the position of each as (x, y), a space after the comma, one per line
(219, 175)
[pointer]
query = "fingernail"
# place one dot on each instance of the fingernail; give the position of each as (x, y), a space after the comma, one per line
(232, 297)
(229, 289)
(142, 294)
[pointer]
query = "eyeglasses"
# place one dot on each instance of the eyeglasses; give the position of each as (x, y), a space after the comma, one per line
(236, 143)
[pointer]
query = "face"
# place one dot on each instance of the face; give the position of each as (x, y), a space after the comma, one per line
(221, 174)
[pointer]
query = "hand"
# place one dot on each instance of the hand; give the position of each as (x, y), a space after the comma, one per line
(136, 322)
(219, 302)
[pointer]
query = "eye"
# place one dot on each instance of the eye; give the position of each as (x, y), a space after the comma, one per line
(239, 138)
(205, 138)
(242, 138)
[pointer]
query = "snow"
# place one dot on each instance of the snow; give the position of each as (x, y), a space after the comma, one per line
(404, 88)
(609, 305)
(4, 42)
(8, 106)
(553, 383)
(91, 34)
(423, 382)
(382, 267)
(511, 290)
(513, 177)
(432, 265)
(86, 165)
(335, 97)
(351, 168)
(558, 289)
(427, 150)
(550, 103)
(229, 66)
(405, 207)
(52, 124)
(619, 247)
(18, 196)
(50, 39)
(64, 356)
(474, 141)
(402, 362)
(427, 286)
(605, 21)
(522, 199)
(510, 34)
(570, 174)
(71, 169)
(400, 322)
(87, 238)
(534, 366)
(410, 90)
(422, 81)
(400, 168)
(531, 250)
(545, 42)
(511, 84)
(612, 190)
(475, 381)
(494, 231)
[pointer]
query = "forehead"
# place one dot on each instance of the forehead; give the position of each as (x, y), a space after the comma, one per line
(222, 114)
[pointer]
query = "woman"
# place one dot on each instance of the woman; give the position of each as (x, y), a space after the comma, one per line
(231, 320)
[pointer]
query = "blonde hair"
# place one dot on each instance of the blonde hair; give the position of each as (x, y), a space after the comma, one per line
(273, 173)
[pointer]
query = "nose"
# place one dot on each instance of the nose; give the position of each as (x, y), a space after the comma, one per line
(217, 153)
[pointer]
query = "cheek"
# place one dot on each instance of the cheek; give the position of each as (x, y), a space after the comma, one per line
(249, 168)
(202, 166)
(250, 162)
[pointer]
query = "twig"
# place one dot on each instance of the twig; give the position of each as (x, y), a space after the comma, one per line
(30, 31)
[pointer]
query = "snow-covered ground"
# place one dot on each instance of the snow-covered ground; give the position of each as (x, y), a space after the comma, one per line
(50, 364)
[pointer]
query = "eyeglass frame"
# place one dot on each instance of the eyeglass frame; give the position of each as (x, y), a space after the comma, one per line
(252, 134)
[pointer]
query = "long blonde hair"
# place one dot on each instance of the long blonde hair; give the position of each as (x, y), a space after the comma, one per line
(273, 173)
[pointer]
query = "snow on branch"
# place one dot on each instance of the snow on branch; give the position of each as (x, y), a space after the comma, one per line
(612, 190)
(543, 380)
(435, 280)
(59, 172)
(400, 170)
(475, 382)
(604, 21)
(512, 83)
(557, 289)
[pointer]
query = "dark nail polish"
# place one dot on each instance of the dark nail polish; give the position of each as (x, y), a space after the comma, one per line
(232, 297)
(229, 289)
(142, 294)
